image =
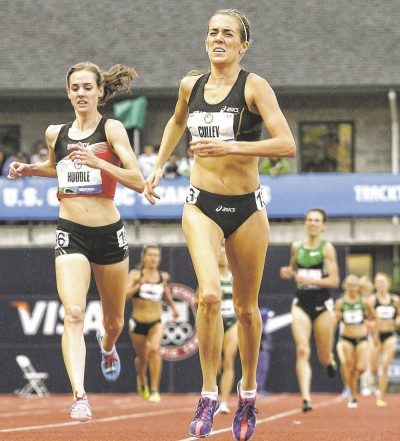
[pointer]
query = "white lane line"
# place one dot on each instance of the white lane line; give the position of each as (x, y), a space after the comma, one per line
(100, 420)
(275, 417)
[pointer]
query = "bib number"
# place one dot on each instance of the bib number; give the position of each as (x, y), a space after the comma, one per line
(259, 199)
(192, 195)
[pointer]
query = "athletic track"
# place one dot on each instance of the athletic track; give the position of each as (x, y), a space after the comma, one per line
(125, 417)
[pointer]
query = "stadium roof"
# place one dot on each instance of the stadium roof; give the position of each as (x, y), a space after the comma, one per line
(304, 45)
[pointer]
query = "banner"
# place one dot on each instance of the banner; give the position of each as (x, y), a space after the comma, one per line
(31, 324)
(289, 196)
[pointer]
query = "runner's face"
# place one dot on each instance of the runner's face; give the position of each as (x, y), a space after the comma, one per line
(314, 223)
(151, 258)
(352, 286)
(83, 91)
(381, 283)
(223, 42)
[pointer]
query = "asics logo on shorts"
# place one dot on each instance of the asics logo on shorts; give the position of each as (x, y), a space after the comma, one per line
(62, 238)
(225, 209)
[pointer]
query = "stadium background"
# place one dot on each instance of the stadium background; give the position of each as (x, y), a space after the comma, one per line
(327, 61)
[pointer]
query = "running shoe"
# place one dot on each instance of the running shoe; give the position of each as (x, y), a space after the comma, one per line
(110, 364)
(381, 403)
(143, 389)
(201, 426)
(245, 419)
(352, 403)
(80, 409)
(346, 392)
(331, 368)
(223, 408)
(307, 406)
(154, 397)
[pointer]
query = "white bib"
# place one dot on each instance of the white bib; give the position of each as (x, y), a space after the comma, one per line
(353, 317)
(76, 178)
(227, 309)
(211, 125)
(385, 312)
(311, 273)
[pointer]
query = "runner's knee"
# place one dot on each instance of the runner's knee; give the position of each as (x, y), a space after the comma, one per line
(210, 299)
(247, 316)
(303, 351)
(74, 314)
(113, 324)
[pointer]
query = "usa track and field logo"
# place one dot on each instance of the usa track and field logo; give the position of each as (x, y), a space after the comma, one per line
(180, 337)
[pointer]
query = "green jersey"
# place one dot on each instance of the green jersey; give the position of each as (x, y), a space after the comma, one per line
(353, 313)
(310, 263)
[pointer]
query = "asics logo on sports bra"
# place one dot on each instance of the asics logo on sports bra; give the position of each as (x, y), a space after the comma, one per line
(230, 109)
(225, 209)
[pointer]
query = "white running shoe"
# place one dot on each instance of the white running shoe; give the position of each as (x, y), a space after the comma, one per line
(223, 408)
(352, 403)
(81, 410)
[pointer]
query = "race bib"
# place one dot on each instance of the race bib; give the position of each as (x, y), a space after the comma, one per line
(385, 312)
(353, 317)
(310, 273)
(211, 125)
(76, 178)
(227, 309)
(192, 195)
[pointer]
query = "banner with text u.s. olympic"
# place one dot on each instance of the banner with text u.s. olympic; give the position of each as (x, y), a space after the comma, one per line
(289, 196)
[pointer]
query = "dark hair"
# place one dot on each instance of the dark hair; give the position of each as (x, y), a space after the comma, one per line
(319, 210)
(243, 21)
(117, 78)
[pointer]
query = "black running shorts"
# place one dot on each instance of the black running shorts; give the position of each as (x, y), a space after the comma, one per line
(101, 245)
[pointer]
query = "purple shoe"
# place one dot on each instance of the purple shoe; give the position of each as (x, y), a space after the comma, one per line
(245, 420)
(201, 426)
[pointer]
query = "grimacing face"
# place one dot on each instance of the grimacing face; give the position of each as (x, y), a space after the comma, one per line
(83, 91)
(223, 42)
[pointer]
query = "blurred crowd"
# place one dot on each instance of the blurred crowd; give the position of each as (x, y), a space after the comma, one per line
(40, 154)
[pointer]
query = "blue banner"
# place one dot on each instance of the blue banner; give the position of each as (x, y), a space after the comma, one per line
(289, 196)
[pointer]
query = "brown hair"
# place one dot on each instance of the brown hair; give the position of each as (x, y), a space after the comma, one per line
(243, 21)
(145, 249)
(319, 210)
(117, 78)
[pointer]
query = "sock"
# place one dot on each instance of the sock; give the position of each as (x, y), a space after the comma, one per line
(246, 394)
(105, 352)
(211, 395)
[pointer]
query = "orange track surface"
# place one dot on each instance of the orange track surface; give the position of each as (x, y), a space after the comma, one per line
(128, 418)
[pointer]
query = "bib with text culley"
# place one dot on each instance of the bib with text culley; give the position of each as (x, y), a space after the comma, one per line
(76, 178)
(311, 273)
(211, 125)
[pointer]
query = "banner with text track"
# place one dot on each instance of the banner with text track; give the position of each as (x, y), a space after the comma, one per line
(289, 196)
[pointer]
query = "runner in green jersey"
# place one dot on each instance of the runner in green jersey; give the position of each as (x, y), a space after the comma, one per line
(313, 265)
(353, 310)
